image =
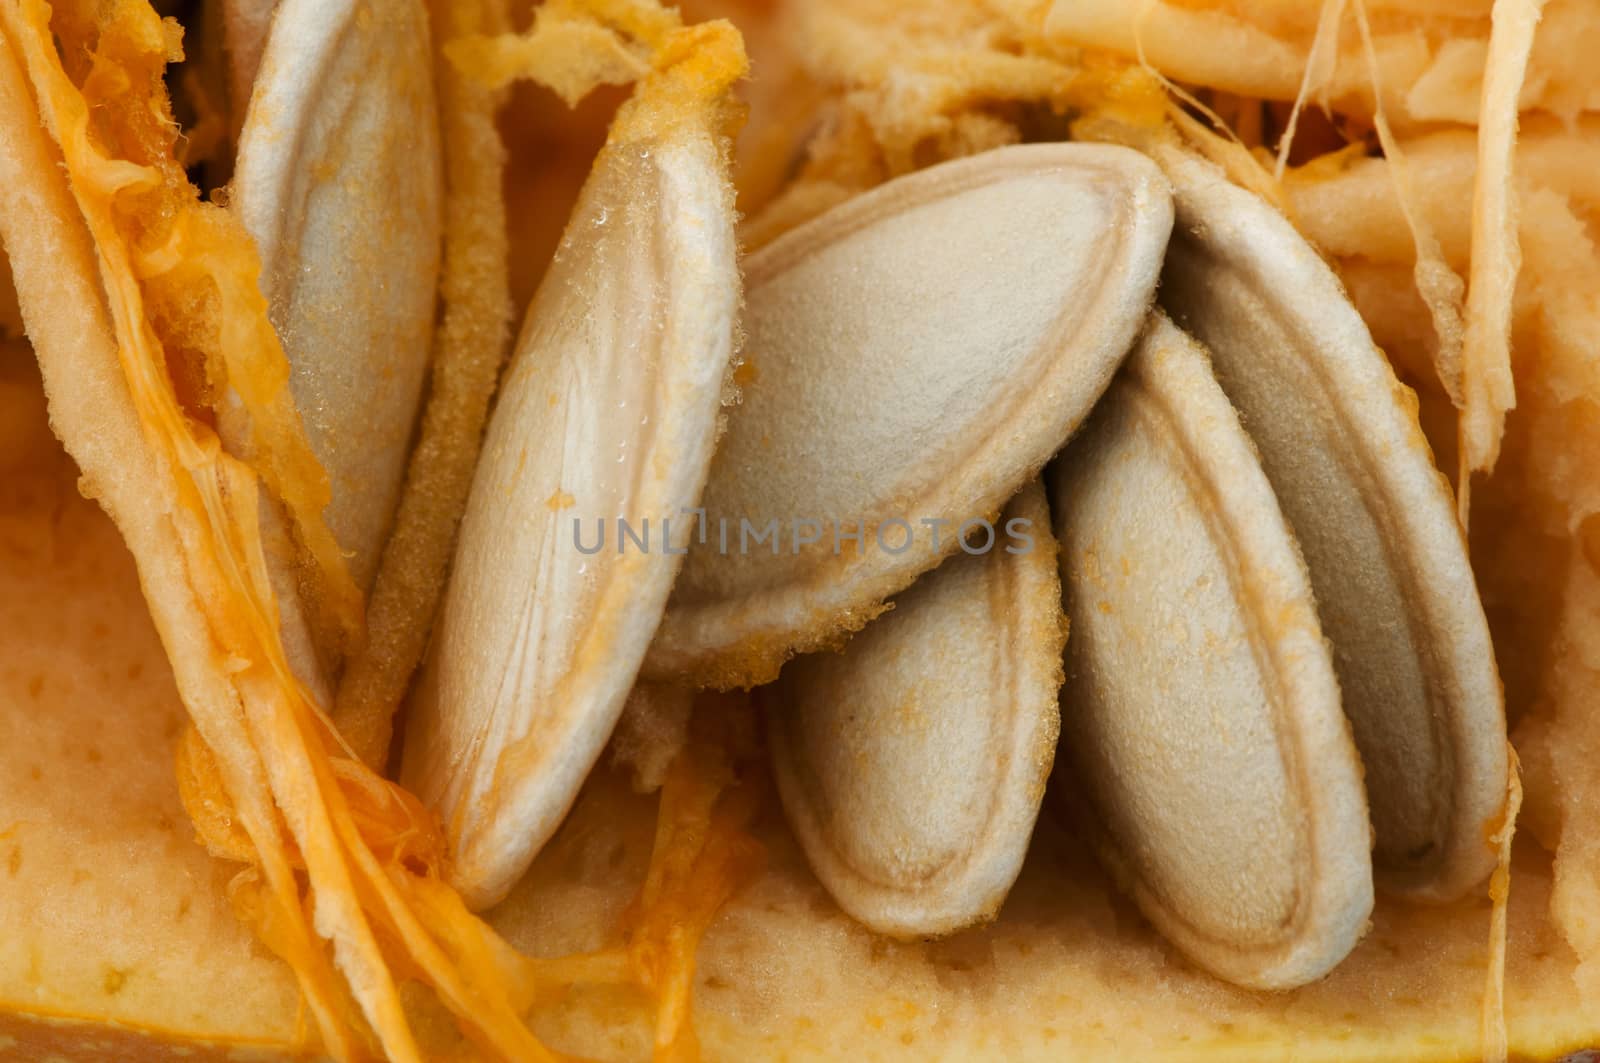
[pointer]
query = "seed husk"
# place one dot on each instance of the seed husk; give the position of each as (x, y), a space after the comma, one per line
(339, 181)
(1340, 442)
(912, 764)
(608, 410)
(1202, 733)
(471, 343)
(915, 355)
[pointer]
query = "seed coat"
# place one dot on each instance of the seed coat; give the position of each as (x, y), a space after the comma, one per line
(1340, 442)
(916, 354)
(1202, 734)
(609, 408)
(912, 763)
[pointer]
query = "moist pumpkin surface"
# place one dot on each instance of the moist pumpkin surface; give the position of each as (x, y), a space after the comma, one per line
(127, 921)
(1440, 160)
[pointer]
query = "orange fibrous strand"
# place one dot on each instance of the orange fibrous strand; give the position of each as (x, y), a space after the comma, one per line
(1496, 1041)
(702, 855)
(193, 266)
(901, 86)
(1488, 389)
(148, 226)
(576, 46)
(334, 854)
(1320, 62)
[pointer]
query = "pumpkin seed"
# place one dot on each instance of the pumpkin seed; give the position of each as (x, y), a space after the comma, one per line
(1352, 470)
(914, 356)
(912, 764)
(1201, 722)
(608, 410)
(338, 180)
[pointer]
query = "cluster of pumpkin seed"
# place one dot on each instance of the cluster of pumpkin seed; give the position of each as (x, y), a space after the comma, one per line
(1278, 674)
(1244, 632)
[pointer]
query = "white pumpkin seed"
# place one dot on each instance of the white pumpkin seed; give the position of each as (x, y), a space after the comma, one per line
(608, 410)
(339, 181)
(1352, 470)
(1201, 722)
(912, 764)
(914, 356)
